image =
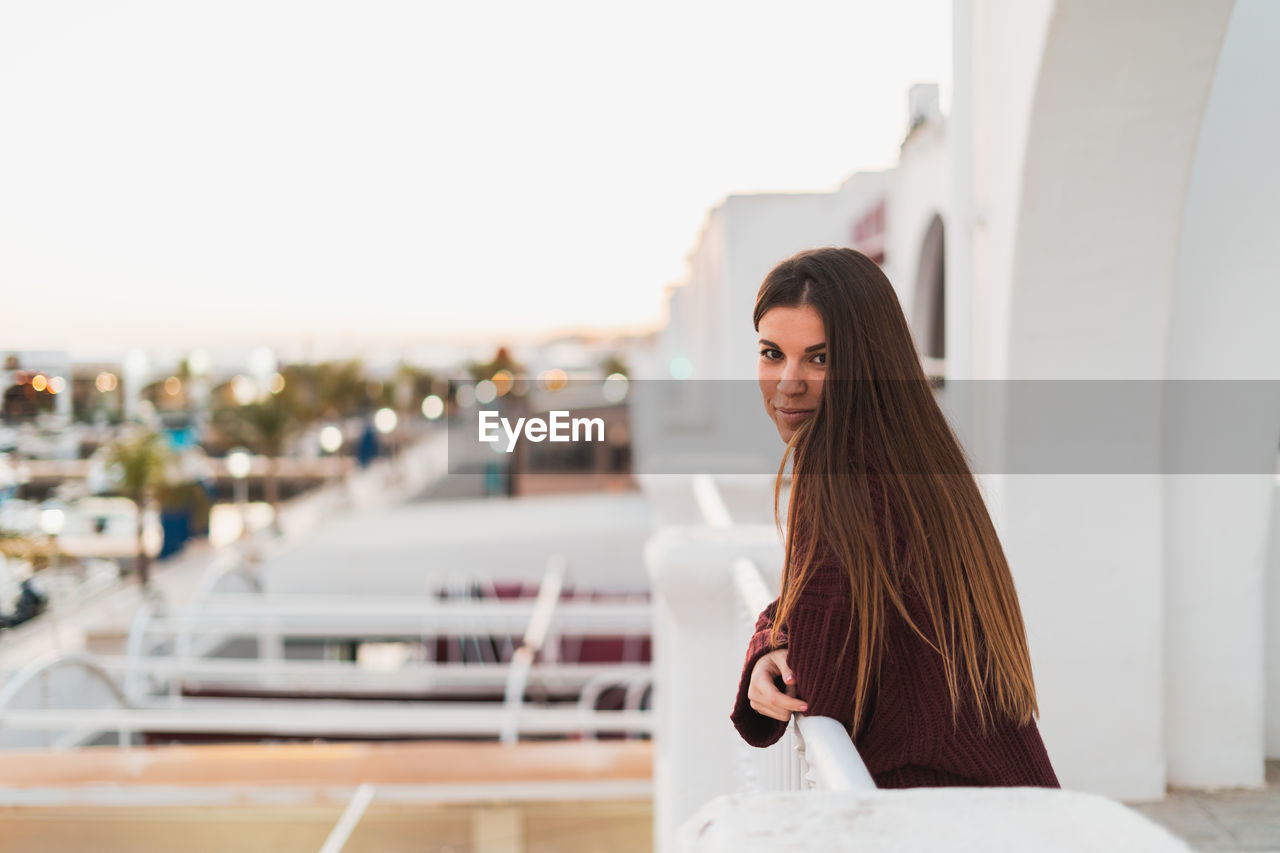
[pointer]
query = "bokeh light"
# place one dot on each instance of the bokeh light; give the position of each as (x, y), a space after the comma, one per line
(330, 439)
(262, 361)
(52, 521)
(239, 463)
(199, 362)
(615, 387)
(244, 389)
(486, 391)
(385, 420)
(432, 407)
(502, 381)
(553, 379)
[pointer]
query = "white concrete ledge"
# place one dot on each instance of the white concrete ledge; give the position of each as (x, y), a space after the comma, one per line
(981, 820)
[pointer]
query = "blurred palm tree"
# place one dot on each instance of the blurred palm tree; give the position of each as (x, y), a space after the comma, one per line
(412, 383)
(502, 360)
(265, 426)
(142, 462)
(613, 363)
(326, 390)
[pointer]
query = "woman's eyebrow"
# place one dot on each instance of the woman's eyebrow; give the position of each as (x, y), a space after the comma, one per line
(813, 348)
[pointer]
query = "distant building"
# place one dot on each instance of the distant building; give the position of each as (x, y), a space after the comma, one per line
(709, 333)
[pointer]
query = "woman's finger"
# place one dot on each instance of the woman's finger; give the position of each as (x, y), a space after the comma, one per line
(774, 704)
(770, 711)
(762, 689)
(787, 675)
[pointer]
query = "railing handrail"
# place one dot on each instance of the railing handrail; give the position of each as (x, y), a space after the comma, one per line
(832, 759)
(750, 585)
(354, 672)
(711, 503)
(332, 717)
(274, 606)
(313, 616)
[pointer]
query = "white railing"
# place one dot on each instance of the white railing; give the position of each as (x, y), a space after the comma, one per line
(326, 718)
(42, 670)
(355, 677)
(350, 817)
(320, 616)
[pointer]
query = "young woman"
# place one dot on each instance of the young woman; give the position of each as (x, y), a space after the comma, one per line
(898, 615)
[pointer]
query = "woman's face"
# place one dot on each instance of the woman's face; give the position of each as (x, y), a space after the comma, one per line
(791, 366)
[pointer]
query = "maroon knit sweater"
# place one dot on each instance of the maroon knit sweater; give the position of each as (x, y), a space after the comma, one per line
(905, 737)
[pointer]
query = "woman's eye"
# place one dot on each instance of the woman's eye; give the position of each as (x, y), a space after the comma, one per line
(820, 358)
(765, 352)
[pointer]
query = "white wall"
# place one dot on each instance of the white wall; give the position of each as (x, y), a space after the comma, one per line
(1079, 188)
(1223, 324)
(1272, 626)
(1005, 57)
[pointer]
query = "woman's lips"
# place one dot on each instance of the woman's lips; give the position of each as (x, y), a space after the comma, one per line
(791, 417)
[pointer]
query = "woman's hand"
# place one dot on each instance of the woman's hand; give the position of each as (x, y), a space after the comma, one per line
(764, 694)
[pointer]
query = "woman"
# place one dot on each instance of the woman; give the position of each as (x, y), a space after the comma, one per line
(898, 615)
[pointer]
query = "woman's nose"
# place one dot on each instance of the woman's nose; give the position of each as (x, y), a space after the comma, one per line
(791, 383)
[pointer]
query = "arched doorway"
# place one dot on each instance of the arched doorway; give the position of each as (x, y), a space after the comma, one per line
(929, 309)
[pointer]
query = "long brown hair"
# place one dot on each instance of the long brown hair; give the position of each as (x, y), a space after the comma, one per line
(878, 461)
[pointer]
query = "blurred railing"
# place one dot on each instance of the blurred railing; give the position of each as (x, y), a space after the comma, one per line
(166, 662)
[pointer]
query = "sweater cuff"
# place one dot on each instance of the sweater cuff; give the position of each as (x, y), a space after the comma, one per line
(755, 728)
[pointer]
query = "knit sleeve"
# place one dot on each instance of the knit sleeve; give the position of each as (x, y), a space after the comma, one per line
(819, 624)
(754, 727)
(822, 621)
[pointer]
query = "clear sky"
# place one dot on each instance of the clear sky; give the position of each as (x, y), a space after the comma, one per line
(236, 173)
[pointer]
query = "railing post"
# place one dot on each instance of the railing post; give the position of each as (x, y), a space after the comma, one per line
(698, 657)
(535, 637)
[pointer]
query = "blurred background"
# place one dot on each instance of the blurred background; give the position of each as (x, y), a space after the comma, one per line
(259, 261)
